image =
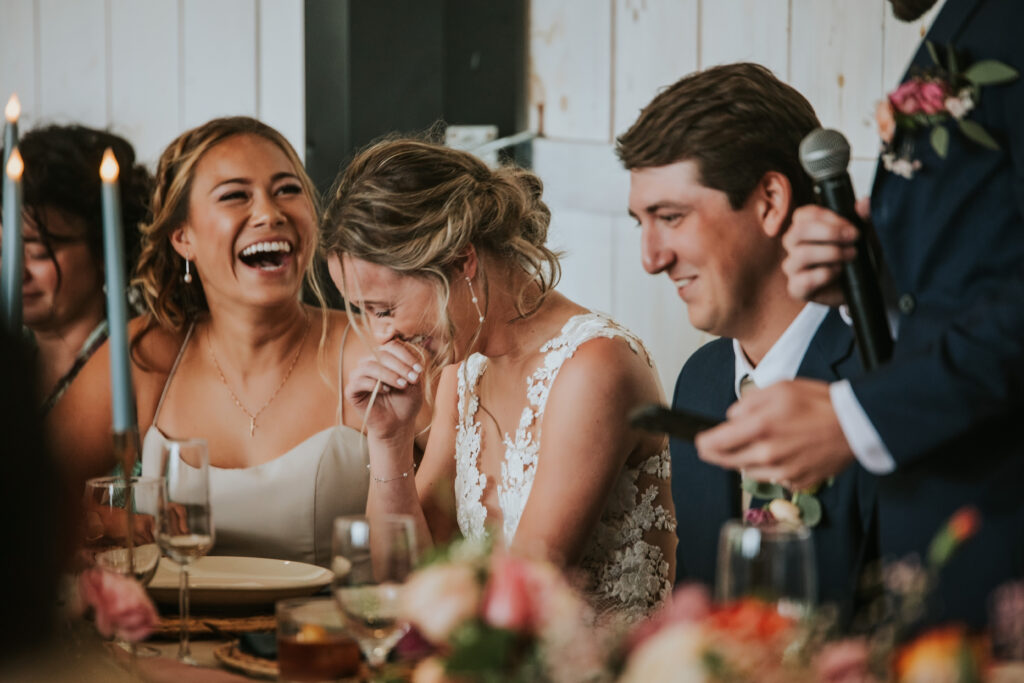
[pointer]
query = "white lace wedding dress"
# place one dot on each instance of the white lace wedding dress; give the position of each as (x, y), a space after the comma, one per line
(626, 570)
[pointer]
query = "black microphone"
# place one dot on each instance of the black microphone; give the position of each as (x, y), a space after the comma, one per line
(825, 154)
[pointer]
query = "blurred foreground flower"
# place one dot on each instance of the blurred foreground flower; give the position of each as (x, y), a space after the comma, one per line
(122, 607)
(943, 655)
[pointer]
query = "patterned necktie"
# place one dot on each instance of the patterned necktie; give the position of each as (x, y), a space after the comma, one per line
(746, 384)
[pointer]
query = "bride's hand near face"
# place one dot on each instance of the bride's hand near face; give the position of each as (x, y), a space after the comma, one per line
(395, 372)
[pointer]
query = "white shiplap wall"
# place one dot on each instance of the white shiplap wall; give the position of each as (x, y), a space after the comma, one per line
(149, 69)
(595, 63)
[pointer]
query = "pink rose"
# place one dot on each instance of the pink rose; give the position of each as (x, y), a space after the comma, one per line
(121, 605)
(439, 598)
(508, 603)
(844, 661)
(905, 98)
(933, 97)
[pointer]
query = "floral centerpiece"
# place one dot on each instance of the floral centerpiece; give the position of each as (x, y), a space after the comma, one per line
(749, 641)
(497, 617)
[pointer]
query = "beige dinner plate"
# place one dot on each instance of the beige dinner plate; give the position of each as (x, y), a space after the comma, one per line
(222, 580)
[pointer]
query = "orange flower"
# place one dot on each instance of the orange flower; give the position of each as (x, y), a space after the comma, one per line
(964, 523)
(886, 121)
(941, 655)
(750, 618)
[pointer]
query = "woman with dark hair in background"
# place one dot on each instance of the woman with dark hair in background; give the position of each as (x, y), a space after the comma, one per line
(64, 307)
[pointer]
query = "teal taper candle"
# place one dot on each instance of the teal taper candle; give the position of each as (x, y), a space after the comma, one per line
(12, 261)
(122, 396)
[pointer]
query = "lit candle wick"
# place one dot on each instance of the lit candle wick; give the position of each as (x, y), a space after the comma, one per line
(13, 109)
(15, 166)
(108, 167)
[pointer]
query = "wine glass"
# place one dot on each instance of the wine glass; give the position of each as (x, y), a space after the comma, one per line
(372, 559)
(773, 562)
(107, 502)
(184, 523)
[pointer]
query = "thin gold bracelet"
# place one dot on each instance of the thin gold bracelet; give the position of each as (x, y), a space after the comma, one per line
(403, 475)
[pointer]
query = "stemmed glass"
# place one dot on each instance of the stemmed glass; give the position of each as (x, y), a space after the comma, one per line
(107, 501)
(773, 562)
(184, 523)
(372, 559)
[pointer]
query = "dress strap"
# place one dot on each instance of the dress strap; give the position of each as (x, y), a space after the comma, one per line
(174, 369)
(340, 416)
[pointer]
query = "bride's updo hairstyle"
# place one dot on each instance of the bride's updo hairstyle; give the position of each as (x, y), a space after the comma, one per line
(172, 303)
(416, 206)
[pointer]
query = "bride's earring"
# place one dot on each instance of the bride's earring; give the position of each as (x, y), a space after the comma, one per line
(476, 302)
(188, 273)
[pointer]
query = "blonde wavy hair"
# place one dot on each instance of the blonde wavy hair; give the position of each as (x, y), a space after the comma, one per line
(415, 207)
(170, 302)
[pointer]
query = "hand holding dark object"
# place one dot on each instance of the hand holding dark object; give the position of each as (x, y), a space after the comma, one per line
(677, 423)
(825, 155)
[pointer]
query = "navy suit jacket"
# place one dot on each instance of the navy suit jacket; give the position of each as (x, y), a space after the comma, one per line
(950, 403)
(707, 496)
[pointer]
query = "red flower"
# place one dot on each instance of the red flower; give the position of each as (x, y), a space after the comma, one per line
(964, 523)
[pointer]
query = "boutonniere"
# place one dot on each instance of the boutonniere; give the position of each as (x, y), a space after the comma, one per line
(933, 98)
(798, 507)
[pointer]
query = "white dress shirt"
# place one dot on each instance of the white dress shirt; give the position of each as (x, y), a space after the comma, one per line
(782, 362)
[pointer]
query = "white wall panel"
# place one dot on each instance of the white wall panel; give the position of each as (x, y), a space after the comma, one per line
(282, 68)
(837, 64)
(73, 62)
(220, 59)
(585, 176)
(746, 31)
(570, 68)
(18, 57)
(656, 44)
(901, 41)
(586, 240)
(145, 74)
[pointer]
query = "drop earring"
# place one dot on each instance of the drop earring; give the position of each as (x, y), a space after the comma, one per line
(188, 273)
(476, 302)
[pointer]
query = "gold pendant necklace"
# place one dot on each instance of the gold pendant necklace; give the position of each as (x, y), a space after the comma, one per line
(252, 416)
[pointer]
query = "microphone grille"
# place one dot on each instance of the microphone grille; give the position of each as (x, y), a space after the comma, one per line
(824, 153)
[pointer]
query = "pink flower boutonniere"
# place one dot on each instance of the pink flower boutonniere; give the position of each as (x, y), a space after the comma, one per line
(932, 98)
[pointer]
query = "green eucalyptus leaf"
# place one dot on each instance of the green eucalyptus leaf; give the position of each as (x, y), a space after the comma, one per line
(762, 489)
(990, 72)
(810, 509)
(933, 52)
(478, 647)
(975, 132)
(940, 140)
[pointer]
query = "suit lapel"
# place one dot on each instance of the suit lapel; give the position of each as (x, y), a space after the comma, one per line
(831, 346)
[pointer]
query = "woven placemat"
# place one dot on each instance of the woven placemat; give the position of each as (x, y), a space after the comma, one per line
(230, 656)
(214, 627)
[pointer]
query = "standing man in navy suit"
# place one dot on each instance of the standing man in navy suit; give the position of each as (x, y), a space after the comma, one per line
(715, 177)
(940, 424)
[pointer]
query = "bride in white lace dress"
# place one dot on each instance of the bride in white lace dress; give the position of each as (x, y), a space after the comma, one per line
(529, 440)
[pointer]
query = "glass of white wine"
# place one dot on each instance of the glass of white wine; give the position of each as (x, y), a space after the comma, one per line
(107, 502)
(372, 559)
(184, 522)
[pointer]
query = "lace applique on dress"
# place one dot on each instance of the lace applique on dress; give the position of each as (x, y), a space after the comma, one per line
(469, 480)
(626, 574)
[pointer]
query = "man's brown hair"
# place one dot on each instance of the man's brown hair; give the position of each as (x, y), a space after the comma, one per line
(736, 121)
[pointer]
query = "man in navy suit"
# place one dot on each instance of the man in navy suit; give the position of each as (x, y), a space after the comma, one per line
(714, 180)
(940, 423)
